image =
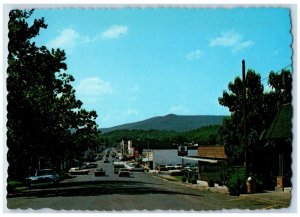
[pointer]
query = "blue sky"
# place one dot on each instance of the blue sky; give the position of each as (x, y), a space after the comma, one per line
(133, 64)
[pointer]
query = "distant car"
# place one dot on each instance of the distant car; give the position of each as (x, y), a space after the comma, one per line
(117, 166)
(132, 167)
(43, 177)
(170, 167)
(124, 172)
(91, 165)
(161, 168)
(178, 166)
(78, 171)
(106, 161)
(100, 172)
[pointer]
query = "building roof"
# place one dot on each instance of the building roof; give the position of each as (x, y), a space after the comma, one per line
(281, 127)
(213, 152)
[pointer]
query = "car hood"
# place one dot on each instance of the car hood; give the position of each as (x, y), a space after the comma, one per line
(40, 177)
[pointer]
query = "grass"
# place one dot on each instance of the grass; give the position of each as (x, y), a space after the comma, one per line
(16, 186)
(177, 178)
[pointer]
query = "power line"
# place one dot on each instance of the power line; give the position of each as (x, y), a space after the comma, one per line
(278, 71)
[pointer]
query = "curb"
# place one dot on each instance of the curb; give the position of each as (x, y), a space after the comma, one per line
(263, 199)
(195, 186)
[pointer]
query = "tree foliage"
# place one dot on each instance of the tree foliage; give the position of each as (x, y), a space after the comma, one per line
(261, 108)
(203, 136)
(42, 107)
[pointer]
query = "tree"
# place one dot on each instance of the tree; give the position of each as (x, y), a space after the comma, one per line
(280, 93)
(42, 107)
(232, 129)
(261, 108)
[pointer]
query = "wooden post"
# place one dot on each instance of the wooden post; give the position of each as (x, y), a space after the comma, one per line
(245, 143)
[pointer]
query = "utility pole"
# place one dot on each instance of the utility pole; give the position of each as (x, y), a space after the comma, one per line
(148, 154)
(245, 142)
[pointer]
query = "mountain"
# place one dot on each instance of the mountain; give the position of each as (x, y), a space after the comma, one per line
(171, 122)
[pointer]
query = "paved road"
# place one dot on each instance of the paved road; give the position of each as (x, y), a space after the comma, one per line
(141, 191)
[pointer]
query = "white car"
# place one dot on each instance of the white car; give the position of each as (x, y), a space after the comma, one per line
(78, 171)
(43, 177)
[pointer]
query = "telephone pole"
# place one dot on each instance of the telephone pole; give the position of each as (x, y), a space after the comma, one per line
(245, 142)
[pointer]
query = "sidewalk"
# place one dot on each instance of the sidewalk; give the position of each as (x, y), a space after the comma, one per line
(281, 198)
(276, 197)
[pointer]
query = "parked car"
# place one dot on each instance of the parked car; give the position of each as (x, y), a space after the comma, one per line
(43, 177)
(170, 167)
(178, 166)
(124, 172)
(106, 161)
(91, 165)
(132, 167)
(161, 168)
(100, 172)
(117, 166)
(78, 171)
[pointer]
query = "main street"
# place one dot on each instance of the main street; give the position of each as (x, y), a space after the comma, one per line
(140, 191)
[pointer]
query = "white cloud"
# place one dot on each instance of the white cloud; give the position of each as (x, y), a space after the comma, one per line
(179, 110)
(87, 39)
(65, 40)
(94, 86)
(130, 112)
(114, 31)
(231, 39)
(194, 55)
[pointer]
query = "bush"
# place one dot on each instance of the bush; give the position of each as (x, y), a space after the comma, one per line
(211, 183)
(12, 186)
(237, 182)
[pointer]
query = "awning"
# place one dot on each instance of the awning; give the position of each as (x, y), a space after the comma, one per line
(200, 159)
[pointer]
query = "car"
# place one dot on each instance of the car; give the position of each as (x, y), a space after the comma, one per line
(170, 167)
(78, 171)
(132, 167)
(178, 166)
(91, 165)
(99, 172)
(123, 172)
(43, 177)
(161, 168)
(117, 166)
(106, 161)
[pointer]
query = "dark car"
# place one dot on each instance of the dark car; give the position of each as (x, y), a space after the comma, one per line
(100, 172)
(124, 172)
(106, 161)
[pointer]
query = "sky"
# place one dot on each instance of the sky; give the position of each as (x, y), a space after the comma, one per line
(131, 64)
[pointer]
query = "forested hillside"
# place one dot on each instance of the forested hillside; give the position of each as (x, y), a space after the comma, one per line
(203, 136)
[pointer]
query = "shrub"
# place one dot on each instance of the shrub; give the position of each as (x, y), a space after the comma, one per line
(237, 181)
(12, 186)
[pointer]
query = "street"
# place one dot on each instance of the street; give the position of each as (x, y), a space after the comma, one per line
(140, 191)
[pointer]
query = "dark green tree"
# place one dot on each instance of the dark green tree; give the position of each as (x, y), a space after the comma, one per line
(232, 129)
(261, 109)
(42, 107)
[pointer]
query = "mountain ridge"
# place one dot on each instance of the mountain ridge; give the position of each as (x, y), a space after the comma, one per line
(170, 122)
